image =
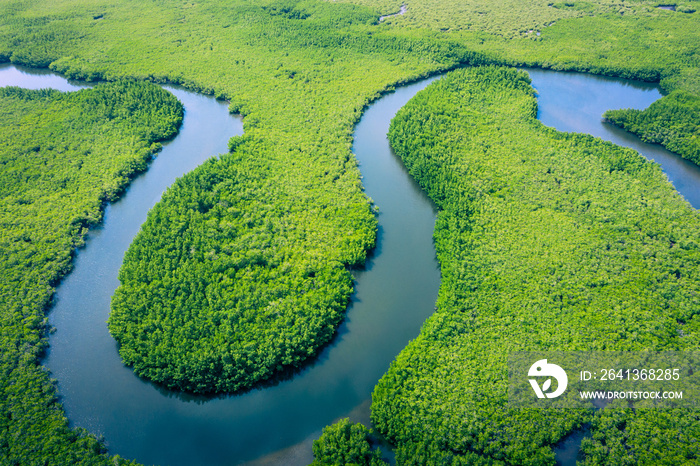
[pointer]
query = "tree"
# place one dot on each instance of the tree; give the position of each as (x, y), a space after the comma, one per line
(344, 443)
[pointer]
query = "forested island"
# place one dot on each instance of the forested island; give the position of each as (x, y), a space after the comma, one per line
(243, 270)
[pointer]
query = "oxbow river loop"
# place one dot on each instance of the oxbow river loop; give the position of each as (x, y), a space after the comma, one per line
(395, 292)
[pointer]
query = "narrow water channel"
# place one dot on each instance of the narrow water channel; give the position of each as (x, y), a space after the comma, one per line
(395, 293)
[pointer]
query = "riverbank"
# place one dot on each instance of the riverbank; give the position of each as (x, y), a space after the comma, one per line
(92, 378)
(158, 411)
(547, 241)
(64, 157)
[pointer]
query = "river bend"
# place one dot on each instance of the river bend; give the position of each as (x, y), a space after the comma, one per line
(395, 292)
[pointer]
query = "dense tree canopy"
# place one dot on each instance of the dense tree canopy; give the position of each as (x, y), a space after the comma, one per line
(633, 39)
(673, 122)
(219, 290)
(241, 270)
(344, 443)
(62, 156)
(547, 241)
(292, 217)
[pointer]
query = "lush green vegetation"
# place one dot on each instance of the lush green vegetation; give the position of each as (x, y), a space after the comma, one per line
(62, 155)
(638, 41)
(344, 443)
(673, 122)
(655, 45)
(220, 290)
(301, 74)
(626, 39)
(293, 215)
(547, 241)
(506, 18)
(241, 270)
(654, 437)
(633, 39)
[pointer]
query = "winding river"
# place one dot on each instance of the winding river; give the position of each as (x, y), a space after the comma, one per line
(395, 292)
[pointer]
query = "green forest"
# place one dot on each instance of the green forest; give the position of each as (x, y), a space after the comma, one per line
(673, 122)
(63, 156)
(346, 443)
(546, 241)
(219, 290)
(241, 270)
(254, 250)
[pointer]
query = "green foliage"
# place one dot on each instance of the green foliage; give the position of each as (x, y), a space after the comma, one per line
(634, 40)
(62, 156)
(673, 122)
(301, 73)
(643, 43)
(344, 443)
(220, 290)
(546, 240)
(301, 77)
(646, 46)
(654, 437)
(241, 270)
(686, 9)
(505, 18)
(580, 6)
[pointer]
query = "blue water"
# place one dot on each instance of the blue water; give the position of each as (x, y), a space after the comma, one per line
(395, 292)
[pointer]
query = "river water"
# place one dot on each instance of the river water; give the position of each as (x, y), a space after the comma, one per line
(575, 102)
(395, 292)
